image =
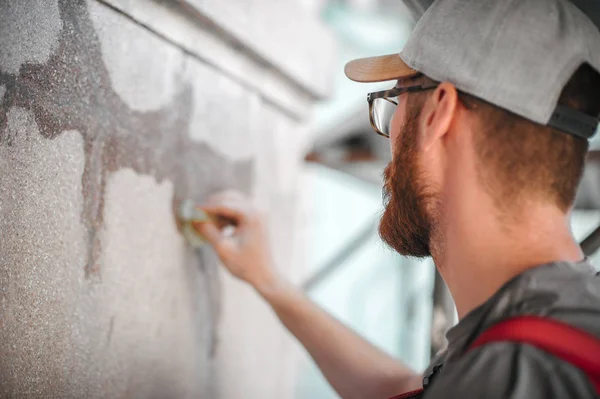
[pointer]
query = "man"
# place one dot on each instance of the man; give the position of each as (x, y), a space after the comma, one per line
(491, 114)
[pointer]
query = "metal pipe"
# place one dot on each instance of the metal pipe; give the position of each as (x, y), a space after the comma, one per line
(340, 257)
(591, 243)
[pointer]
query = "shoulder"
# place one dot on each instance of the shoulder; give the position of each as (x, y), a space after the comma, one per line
(510, 371)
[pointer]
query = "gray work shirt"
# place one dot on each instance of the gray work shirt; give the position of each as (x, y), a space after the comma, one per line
(568, 292)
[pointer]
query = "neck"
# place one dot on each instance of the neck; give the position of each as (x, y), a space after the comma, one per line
(478, 253)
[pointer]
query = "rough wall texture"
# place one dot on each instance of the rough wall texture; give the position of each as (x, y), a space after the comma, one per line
(104, 122)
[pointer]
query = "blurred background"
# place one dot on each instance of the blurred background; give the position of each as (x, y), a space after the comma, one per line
(111, 111)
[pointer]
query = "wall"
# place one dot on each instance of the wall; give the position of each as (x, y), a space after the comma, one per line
(110, 111)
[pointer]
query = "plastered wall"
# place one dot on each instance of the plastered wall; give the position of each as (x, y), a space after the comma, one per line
(109, 112)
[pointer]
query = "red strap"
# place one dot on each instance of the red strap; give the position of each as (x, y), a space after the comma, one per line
(410, 395)
(566, 342)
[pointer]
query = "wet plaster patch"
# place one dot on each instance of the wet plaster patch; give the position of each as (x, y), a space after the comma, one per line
(29, 32)
(42, 253)
(74, 90)
(83, 172)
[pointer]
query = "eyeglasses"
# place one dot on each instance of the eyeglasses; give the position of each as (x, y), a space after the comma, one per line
(382, 105)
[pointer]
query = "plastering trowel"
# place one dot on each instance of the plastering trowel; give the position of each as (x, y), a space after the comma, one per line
(187, 213)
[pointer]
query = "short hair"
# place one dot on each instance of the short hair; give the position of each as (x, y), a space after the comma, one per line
(521, 159)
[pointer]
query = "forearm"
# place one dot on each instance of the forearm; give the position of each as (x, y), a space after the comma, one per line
(354, 367)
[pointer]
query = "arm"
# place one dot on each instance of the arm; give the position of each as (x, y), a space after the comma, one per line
(354, 367)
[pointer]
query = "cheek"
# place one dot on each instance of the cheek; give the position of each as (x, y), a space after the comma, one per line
(396, 127)
(430, 163)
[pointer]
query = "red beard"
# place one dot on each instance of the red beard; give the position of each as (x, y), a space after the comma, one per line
(406, 225)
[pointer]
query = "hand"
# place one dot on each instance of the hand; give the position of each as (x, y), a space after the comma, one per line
(245, 253)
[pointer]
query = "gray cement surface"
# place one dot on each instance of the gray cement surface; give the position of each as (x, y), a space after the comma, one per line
(99, 294)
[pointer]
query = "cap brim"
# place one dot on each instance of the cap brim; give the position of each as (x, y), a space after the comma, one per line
(378, 69)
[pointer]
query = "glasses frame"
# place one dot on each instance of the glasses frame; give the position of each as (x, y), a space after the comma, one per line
(387, 95)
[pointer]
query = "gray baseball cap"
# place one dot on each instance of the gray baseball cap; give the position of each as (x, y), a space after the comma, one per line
(516, 54)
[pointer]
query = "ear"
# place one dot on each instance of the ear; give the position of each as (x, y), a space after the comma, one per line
(437, 115)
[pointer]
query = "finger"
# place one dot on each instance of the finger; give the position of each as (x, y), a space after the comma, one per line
(209, 231)
(222, 246)
(238, 216)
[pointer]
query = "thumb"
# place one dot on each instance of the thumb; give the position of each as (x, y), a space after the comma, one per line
(209, 231)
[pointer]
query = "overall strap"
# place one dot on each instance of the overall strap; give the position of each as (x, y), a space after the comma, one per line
(410, 395)
(562, 340)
